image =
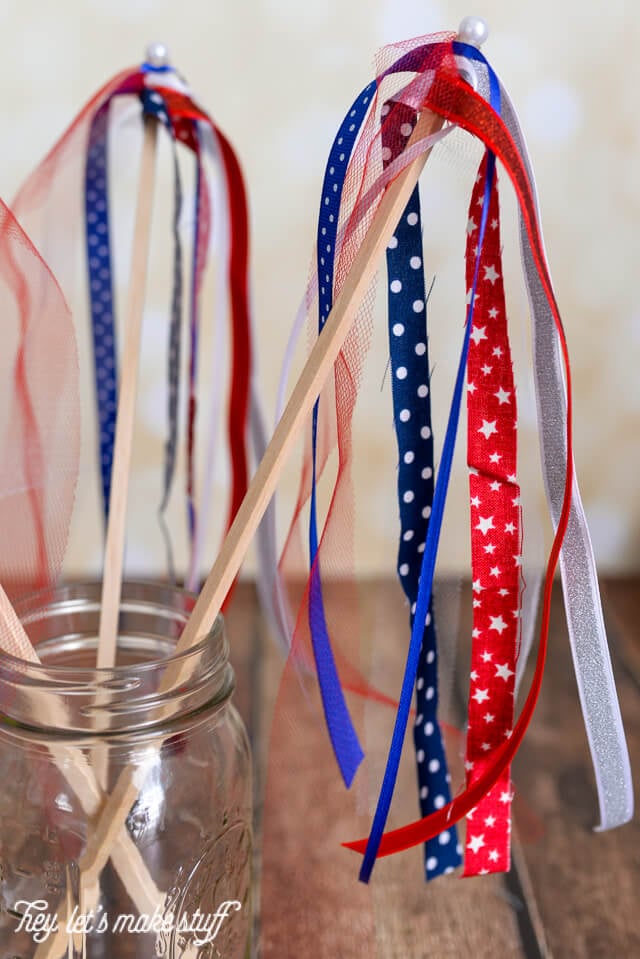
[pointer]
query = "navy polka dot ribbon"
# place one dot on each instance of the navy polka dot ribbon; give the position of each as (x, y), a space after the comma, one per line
(409, 355)
(342, 734)
(102, 304)
(101, 294)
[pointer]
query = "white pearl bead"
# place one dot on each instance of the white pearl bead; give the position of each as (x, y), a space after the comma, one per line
(157, 55)
(473, 30)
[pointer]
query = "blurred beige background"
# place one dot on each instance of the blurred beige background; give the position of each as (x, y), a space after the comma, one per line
(277, 75)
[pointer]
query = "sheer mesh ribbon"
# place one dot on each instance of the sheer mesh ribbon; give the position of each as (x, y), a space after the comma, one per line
(53, 187)
(40, 405)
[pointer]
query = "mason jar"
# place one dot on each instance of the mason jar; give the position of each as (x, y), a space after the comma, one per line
(172, 877)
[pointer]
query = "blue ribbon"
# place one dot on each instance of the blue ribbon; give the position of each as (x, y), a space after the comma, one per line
(344, 740)
(433, 535)
(342, 734)
(409, 358)
(100, 276)
(101, 294)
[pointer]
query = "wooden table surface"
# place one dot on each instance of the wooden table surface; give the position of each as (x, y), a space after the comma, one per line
(571, 893)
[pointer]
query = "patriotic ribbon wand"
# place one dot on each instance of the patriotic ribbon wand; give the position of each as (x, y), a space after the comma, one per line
(496, 525)
(219, 190)
(50, 197)
(439, 93)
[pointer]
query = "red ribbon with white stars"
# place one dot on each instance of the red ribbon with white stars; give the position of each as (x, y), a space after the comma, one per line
(495, 540)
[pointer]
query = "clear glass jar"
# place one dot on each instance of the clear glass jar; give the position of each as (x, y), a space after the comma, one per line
(176, 882)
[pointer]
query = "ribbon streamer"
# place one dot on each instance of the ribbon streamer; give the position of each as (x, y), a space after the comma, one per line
(452, 100)
(42, 198)
(411, 388)
(495, 542)
(583, 605)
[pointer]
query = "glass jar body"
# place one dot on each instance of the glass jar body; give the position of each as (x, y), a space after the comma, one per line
(171, 875)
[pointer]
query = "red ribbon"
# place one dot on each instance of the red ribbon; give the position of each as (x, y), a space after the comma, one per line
(495, 539)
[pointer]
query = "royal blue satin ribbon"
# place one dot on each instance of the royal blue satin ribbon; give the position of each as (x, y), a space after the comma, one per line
(344, 740)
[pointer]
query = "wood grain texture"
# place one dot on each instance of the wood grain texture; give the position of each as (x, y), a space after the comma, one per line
(398, 916)
(571, 892)
(622, 606)
(585, 883)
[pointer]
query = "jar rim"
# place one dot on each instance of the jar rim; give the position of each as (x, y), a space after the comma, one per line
(65, 623)
(70, 595)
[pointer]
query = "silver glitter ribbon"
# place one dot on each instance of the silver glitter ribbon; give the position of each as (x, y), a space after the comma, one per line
(587, 633)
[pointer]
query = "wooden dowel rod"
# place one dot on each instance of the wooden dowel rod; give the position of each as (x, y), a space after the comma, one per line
(127, 392)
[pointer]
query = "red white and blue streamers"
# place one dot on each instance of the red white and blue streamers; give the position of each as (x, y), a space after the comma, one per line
(54, 186)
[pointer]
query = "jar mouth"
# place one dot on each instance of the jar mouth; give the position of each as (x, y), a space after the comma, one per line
(44, 613)
(63, 625)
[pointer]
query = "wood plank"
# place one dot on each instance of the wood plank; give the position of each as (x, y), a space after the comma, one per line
(243, 624)
(621, 598)
(445, 917)
(585, 884)
(516, 885)
(570, 892)
(398, 916)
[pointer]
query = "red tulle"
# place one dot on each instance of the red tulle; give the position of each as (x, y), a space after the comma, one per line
(39, 418)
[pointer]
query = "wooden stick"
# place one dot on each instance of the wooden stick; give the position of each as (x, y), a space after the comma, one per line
(307, 389)
(114, 549)
(75, 768)
(317, 368)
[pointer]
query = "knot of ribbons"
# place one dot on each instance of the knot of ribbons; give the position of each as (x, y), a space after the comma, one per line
(374, 144)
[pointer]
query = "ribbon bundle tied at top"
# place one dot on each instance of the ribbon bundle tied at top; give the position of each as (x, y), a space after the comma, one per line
(74, 179)
(496, 529)
(186, 124)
